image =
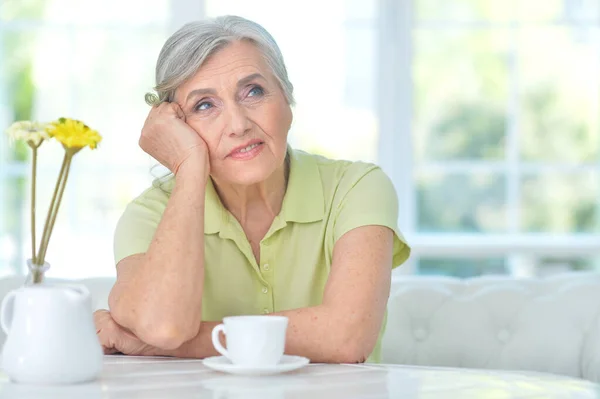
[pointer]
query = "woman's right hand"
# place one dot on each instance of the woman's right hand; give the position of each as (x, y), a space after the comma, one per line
(116, 339)
(170, 140)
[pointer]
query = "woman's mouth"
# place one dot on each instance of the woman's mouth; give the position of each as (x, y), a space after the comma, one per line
(248, 151)
(251, 146)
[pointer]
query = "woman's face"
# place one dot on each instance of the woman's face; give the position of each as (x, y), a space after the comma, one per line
(237, 106)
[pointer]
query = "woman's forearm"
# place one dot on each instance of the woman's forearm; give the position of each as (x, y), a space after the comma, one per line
(147, 296)
(328, 335)
(315, 332)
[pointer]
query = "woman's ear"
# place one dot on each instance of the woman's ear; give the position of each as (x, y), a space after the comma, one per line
(291, 117)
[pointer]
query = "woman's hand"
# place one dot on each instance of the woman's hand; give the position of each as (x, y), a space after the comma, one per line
(170, 140)
(116, 339)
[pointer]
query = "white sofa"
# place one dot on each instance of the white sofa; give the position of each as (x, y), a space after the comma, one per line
(549, 325)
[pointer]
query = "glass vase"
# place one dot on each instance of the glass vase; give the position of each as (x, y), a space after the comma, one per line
(36, 273)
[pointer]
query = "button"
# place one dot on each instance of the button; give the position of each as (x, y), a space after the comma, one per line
(265, 290)
(420, 334)
(503, 336)
(266, 311)
(266, 267)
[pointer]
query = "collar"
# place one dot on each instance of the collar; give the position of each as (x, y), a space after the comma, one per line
(303, 201)
(214, 211)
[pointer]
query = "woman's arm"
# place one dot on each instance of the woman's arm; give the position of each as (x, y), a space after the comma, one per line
(345, 327)
(152, 287)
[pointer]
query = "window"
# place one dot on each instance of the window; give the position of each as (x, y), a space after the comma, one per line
(504, 142)
(485, 113)
(106, 64)
(83, 60)
(331, 60)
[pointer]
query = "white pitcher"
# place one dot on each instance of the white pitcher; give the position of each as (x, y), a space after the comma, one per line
(51, 335)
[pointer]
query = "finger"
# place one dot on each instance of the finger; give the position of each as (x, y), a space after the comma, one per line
(100, 312)
(100, 320)
(106, 336)
(178, 111)
(102, 337)
(162, 108)
(109, 351)
(108, 348)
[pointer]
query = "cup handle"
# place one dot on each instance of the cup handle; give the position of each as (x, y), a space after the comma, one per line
(7, 303)
(217, 342)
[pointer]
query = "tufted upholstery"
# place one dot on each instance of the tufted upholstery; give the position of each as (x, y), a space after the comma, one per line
(549, 325)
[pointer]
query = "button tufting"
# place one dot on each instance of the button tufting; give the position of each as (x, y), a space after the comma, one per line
(503, 336)
(420, 334)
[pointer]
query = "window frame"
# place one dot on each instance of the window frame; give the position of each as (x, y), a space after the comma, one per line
(397, 20)
(394, 87)
(181, 12)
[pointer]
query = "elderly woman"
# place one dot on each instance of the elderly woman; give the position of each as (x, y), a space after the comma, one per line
(247, 225)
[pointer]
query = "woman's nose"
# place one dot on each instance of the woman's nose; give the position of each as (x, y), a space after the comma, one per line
(238, 123)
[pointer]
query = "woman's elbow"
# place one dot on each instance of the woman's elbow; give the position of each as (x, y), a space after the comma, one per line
(153, 328)
(353, 348)
(352, 353)
(167, 336)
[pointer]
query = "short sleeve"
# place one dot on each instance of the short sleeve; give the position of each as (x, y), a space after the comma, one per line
(136, 227)
(370, 199)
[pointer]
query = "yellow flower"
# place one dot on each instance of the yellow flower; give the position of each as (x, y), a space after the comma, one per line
(31, 132)
(72, 133)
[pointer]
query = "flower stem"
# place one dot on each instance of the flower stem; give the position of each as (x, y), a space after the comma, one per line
(69, 156)
(36, 276)
(33, 185)
(45, 232)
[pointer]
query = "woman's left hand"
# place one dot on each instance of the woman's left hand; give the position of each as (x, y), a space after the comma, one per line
(116, 339)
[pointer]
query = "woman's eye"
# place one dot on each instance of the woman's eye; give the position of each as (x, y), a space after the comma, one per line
(203, 106)
(255, 91)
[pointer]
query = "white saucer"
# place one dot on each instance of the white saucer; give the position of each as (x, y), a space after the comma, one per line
(287, 363)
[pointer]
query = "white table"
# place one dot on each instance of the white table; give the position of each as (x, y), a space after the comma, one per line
(138, 377)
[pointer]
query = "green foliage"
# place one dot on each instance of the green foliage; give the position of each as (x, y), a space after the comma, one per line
(461, 267)
(461, 203)
(463, 97)
(17, 73)
(11, 10)
(473, 130)
(22, 92)
(552, 131)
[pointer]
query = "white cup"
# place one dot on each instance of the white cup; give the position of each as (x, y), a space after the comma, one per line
(254, 341)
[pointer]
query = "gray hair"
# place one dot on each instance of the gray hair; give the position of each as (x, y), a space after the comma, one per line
(188, 48)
